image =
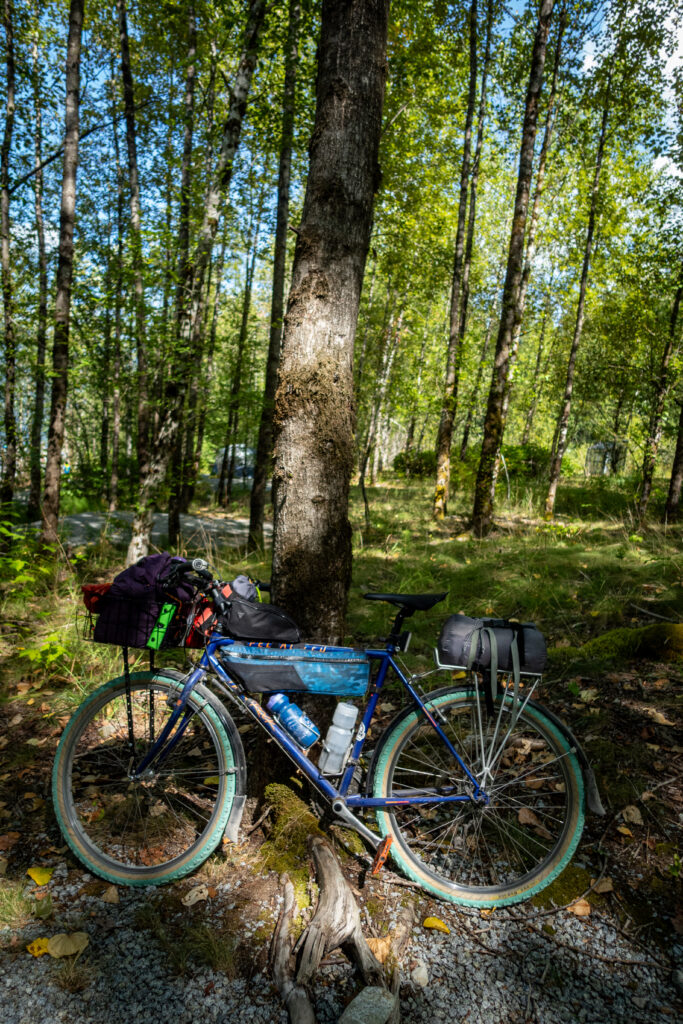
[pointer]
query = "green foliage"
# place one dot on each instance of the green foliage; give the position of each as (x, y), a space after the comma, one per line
(528, 461)
(419, 464)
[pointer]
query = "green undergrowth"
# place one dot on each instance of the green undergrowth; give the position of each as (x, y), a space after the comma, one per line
(577, 578)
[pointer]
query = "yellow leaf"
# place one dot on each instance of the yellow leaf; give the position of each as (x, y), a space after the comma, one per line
(487, 913)
(437, 924)
(624, 831)
(67, 945)
(211, 780)
(581, 908)
(41, 876)
(110, 894)
(380, 947)
(38, 947)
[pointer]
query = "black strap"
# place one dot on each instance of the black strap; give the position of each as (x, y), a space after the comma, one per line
(129, 701)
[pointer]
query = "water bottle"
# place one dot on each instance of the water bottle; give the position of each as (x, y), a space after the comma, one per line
(338, 740)
(299, 726)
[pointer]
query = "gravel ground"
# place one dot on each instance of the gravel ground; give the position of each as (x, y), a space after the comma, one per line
(517, 965)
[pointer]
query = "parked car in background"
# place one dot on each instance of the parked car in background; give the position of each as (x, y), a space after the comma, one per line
(244, 462)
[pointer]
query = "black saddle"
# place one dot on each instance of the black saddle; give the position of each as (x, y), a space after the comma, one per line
(409, 602)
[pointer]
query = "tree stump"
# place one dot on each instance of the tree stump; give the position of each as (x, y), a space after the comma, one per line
(335, 924)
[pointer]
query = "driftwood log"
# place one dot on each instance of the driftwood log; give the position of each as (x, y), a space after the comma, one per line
(335, 924)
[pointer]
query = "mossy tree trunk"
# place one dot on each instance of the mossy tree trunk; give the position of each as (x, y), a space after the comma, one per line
(314, 405)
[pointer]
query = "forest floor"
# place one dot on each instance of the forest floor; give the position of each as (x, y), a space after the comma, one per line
(604, 942)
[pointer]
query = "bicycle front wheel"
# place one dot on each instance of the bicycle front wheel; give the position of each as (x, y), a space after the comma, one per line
(475, 853)
(159, 827)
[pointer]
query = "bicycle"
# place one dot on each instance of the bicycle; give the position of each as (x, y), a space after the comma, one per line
(479, 808)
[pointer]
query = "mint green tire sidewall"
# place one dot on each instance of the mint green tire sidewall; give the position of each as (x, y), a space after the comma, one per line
(98, 863)
(411, 865)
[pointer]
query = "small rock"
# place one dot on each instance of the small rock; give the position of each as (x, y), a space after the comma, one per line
(372, 1005)
(639, 1001)
(419, 975)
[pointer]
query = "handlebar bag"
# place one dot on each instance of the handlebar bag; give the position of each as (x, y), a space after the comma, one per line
(137, 602)
(247, 620)
(312, 668)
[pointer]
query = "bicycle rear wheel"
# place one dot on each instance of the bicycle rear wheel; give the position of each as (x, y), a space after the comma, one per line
(480, 854)
(161, 827)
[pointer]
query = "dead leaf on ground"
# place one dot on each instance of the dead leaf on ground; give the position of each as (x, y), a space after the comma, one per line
(8, 840)
(632, 815)
(437, 924)
(604, 885)
(588, 695)
(200, 892)
(3, 866)
(624, 831)
(659, 718)
(66, 945)
(110, 894)
(41, 876)
(581, 908)
(38, 947)
(380, 947)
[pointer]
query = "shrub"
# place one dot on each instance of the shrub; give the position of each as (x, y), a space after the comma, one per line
(415, 463)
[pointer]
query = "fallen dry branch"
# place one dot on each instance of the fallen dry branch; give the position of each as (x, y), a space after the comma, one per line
(336, 922)
(294, 996)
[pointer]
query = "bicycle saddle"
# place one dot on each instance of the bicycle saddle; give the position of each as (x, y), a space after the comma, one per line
(409, 602)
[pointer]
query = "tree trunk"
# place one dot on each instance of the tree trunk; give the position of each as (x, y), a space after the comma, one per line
(565, 411)
(474, 183)
(314, 407)
(494, 425)
(673, 499)
(264, 445)
(60, 347)
(9, 461)
(136, 241)
(444, 435)
(195, 410)
(33, 511)
(477, 383)
(189, 328)
(531, 238)
(224, 493)
(536, 379)
(388, 356)
(183, 276)
(662, 386)
(113, 483)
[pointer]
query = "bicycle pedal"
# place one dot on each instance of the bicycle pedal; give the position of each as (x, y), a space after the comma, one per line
(381, 855)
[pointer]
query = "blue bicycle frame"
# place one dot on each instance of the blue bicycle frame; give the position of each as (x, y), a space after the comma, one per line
(339, 796)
